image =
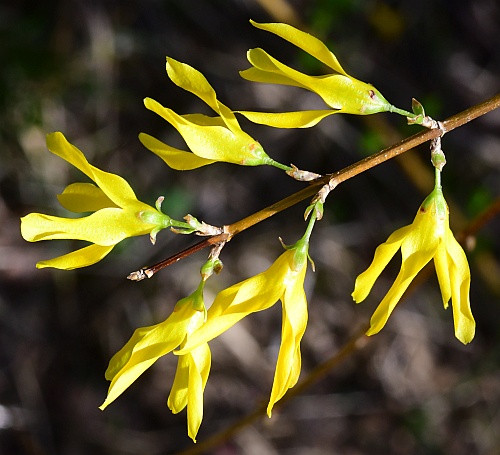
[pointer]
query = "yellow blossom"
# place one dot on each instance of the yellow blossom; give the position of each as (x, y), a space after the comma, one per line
(284, 281)
(340, 91)
(148, 344)
(210, 139)
(428, 237)
(117, 212)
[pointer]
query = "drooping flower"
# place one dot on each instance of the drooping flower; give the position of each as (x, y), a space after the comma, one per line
(118, 214)
(428, 237)
(284, 281)
(340, 91)
(210, 139)
(148, 344)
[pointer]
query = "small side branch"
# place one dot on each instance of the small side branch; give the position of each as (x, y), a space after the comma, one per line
(148, 272)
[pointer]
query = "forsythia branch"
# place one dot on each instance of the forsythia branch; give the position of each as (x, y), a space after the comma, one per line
(348, 172)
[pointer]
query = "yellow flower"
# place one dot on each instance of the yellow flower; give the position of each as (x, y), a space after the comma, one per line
(210, 139)
(148, 344)
(343, 93)
(284, 281)
(428, 237)
(117, 212)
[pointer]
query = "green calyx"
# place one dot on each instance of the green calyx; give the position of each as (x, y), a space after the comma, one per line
(161, 221)
(436, 198)
(195, 299)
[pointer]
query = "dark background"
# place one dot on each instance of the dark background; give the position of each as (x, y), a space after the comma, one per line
(83, 68)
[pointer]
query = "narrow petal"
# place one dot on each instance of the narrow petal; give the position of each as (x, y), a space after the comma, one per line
(267, 77)
(152, 343)
(76, 259)
(115, 187)
(465, 326)
(300, 119)
(411, 266)
(441, 262)
(271, 71)
(193, 81)
(105, 227)
(199, 369)
(174, 158)
(178, 398)
(304, 41)
(293, 328)
(204, 120)
(84, 197)
(383, 254)
(119, 360)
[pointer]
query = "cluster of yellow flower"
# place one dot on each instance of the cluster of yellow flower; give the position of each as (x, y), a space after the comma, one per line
(117, 214)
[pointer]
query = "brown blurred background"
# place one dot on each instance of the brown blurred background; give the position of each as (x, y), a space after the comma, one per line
(83, 68)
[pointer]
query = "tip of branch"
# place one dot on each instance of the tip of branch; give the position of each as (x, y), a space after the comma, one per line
(140, 274)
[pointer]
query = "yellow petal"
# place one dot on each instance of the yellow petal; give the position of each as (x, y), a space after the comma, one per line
(114, 186)
(199, 369)
(268, 77)
(152, 342)
(76, 259)
(465, 326)
(178, 398)
(441, 262)
(383, 254)
(426, 234)
(118, 361)
(409, 269)
(300, 119)
(105, 227)
(269, 70)
(84, 197)
(304, 41)
(293, 328)
(204, 120)
(193, 81)
(175, 158)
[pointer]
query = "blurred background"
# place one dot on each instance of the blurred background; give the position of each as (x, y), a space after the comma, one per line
(84, 67)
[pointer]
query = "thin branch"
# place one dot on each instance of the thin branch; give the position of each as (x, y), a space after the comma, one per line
(482, 219)
(348, 172)
(148, 272)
